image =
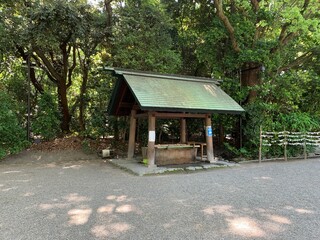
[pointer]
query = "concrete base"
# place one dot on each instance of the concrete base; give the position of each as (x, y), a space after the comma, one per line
(135, 166)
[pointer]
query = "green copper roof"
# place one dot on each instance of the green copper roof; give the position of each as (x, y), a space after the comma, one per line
(174, 93)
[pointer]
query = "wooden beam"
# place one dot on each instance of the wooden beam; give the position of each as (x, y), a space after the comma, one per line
(151, 138)
(142, 115)
(132, 134)
(172, 115)
(179, 115)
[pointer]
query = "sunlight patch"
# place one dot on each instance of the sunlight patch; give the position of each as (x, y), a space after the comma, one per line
(100, 231)
(75, 197)
(301, 210)
(9, 189)
(108, 209)
(72, 167)
(79, 216)
(114, 229)
(28, 194)
(279, 219)
(221, 209)
(48, 206)
(245, 227)
(125, 208)
(117, 198)
(51, 165)
(7, 172)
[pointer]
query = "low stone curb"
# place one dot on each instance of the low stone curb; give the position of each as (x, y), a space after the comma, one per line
(137, 168)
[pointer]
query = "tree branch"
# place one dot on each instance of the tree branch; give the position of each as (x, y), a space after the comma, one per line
(305, 6)
(48, 65)
(108, 9)
(284, 37)
(288, 38)
(74, 64)
(32, 72)
(255, 5)
(35, 57)
(227, 24)
(296, 62)
(65, 63)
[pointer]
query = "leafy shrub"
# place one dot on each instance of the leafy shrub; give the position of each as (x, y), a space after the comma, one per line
(13, 135)
(47, 120)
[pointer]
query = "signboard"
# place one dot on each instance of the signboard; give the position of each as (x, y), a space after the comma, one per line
(152, 136)
(209, 131)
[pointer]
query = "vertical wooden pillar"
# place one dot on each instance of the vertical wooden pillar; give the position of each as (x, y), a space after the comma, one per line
(260, 145)
(132, 134)
(151, 139)
(183, 130)
(209, 142)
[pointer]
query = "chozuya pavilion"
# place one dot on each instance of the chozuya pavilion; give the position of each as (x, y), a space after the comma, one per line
(151, 95)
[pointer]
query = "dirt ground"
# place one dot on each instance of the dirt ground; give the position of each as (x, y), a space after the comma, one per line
(78, 144)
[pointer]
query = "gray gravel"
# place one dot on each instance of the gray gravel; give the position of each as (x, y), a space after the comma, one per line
(75, 196)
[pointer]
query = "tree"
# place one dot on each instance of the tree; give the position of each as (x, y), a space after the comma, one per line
(46, 32)
(269, 35)
(259, 48)
(142, 38)
(96, 29)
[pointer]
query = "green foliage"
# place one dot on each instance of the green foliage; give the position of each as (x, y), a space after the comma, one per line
(280, 39)
(47, 119)
(86, 147)
(145, 161)
(142, 38)
(13, 135)
(270, 118)
(293, 122)
(235, 152)
(97, 99)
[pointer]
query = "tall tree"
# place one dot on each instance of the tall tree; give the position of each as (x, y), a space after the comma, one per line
(271, 35)
(96, 29)
(49, 33)
(142, 37)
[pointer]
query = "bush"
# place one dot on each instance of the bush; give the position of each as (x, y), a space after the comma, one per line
(47, 120)
(13, 135)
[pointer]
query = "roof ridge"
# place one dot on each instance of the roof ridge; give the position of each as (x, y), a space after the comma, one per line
(121, 71)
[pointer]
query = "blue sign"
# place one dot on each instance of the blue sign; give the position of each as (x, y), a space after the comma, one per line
(209, 131)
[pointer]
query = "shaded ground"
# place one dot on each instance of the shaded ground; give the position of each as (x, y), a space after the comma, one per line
(71, 195)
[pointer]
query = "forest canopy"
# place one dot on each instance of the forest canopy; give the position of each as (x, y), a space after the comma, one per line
(52, 53)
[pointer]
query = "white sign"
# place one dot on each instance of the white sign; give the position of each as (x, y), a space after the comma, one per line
(152, 136)
(209, 131)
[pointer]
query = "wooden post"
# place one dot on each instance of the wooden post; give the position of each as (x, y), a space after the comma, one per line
(285, 145)
(260, 145)
(132, 134)
(210, 155)
(305, 146)
(151, 139)
(183, 130)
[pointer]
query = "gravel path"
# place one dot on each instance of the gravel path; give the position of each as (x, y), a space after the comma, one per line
(74, 196)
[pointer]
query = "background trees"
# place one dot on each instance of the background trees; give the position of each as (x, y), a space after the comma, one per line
(267, 53)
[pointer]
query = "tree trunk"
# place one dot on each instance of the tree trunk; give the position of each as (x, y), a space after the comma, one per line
(250, 77)
(64, 109)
